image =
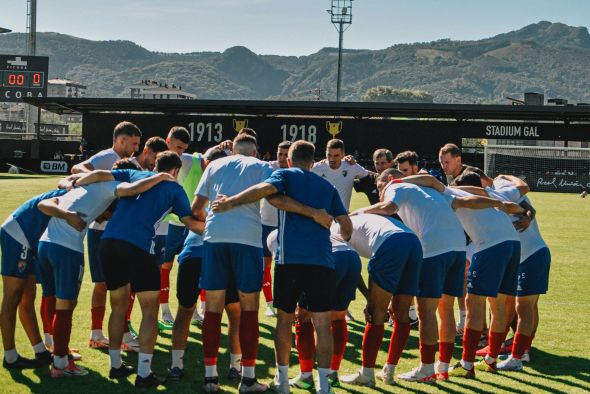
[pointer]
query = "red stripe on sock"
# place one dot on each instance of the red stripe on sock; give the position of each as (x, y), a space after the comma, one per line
(445, 351)
(427, 353)
(305, 344)
(340, 337)
(62, 324)
(495, 340)
(470, 341)
(203, 296)
(249, 333)
(97, 314)
(372, 339)
(267, 284)
(164, 285)
(211, 334)
(519, 345)
(399, 338)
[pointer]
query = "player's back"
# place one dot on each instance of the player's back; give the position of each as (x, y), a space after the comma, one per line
(369, 231)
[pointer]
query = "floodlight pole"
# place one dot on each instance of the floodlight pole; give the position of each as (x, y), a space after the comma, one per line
(339, 77)
(341, 12)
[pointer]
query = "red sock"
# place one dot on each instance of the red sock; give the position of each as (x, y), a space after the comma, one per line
(267, 284)
(495, 340)
(470, 341)
(203, 296)
(372, 339)
(211, 334)
(305, 344)
(62, 324)
(445, 351)
(340, 336)
(164, 285)
(530, 343)
(427, 353)
(128, 314)
(97, 317)
(519, 345)
(249, 332)
(399, 338)
(47, 313)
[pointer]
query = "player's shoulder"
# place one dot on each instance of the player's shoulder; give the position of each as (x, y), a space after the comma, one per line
(105, 152)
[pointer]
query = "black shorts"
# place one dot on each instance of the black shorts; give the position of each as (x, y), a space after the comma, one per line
(124, 263)
(187, 284)
(316, 282)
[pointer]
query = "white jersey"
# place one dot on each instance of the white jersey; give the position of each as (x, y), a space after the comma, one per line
(486, 227)
(428, 213)
(370, 231)
(342, 178)
(531, 240)
(269, 215)
(272, 241)
(90, 200)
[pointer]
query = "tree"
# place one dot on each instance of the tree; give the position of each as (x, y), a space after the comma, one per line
(389, 94)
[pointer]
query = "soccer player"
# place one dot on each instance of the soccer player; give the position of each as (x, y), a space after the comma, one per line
(19, 238)
(395, 258)
(407, 163)
(126, 139)
(304, 261)
(61, 254)
(129, 264)
(270, 220)
(449, 157)
(147, 158)
(382, 160)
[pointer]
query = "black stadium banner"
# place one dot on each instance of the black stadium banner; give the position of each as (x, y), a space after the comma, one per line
(45, 129)
(362, 135)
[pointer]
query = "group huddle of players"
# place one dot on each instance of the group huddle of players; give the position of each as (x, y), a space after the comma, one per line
(426, 243)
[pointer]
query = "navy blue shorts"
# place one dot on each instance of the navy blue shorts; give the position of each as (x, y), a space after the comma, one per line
(395, 266)
(533, 274)
(62, 270)
(495, 270)
(174, 241)
(265, 231)
(159, 244)
(93, 245)
(222, 260)
(443, 273)
(17, 259)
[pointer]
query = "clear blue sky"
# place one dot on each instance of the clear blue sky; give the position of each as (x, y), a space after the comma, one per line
(295, 27)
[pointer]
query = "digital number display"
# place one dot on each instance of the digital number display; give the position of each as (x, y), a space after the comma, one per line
(22, 79)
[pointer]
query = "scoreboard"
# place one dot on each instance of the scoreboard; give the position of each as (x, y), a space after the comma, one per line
(23, 76)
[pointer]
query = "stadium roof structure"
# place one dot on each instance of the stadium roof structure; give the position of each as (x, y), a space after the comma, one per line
(568, 113)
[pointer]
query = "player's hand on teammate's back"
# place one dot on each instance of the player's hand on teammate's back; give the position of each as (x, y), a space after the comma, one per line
(166, 177)
(322, 218)
(512, 208)
(220, 204)
(76, 220)
(523, 223)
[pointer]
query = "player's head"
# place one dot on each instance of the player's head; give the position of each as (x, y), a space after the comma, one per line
(245, 144)
(125, 164)
(152, 147)
(382, 159)
(283, 153)
(213, 153)
(301, 154)
(449, 157)
(126, 138)
(387, 176)
(335, 153)
(178, 139)
(169, 162)
(248, 131)
(407, 162)
(468, 178)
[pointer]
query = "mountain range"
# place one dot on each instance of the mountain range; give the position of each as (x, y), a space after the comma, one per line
(549, 58)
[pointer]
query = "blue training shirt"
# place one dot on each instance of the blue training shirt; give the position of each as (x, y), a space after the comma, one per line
(300, 239)
(136, 218)
(129, 175)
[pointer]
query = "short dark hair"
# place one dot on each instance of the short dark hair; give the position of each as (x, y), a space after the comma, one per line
(450, 148)
(214, 153)
(248, 131)
(383, 152)
(244, 141)
(467, 178)
(394, 172)
(156, 144)
(167, 160)
(285, 145)
(301, 152)
(407, 156)
(335, 144)
(125, 164)
(476, 170)
(180, 133)
(126, 128)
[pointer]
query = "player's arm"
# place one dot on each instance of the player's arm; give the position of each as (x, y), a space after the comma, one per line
(345, 226)
(194, 225)
(288, 204)
(524, 221)
(250, 195)
(521, 185)
(85, 178)
(478, 191)
(50, 207)
(126, 189)
(480, 202)
(82, 167)
(387, 208)
(198, 208)
(426, 181)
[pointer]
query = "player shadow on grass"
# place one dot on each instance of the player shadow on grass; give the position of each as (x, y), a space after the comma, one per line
(47, 384)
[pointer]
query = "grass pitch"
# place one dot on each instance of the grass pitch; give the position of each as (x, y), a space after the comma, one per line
(560, 356)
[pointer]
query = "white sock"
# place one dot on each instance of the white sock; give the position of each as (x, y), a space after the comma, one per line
(248, 372)
(60, 361)
(39, 348)
(203, 305)
(210, 371)
(10, 355)
(115, 356)
(323, 383)
(368, 372)
(235, 361)
(462, 317)
(177, 356)
(97, 334)
(489, 360)
(466, 364)
(165, 309)
(305, 374)
(283, 373)
(144, 364)
(127, 337)
(48, 339)
(442, 367)
(427, 368)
